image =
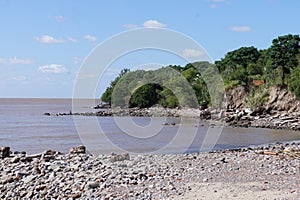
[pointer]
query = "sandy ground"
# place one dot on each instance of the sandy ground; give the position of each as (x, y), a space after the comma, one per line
(241, 191)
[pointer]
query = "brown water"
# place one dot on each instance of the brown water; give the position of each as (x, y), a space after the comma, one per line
(23, 127)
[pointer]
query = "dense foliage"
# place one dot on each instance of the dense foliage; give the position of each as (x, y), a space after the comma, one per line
(177, 86)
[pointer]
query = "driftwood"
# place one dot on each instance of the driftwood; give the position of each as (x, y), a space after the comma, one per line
(47, 155)
(270, 153)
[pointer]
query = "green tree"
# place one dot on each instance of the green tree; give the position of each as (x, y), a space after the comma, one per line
(191, 74)
(167, 98)
(283, 53)
(234, 65)
(107, 95)
(294, 83)
(145, 96)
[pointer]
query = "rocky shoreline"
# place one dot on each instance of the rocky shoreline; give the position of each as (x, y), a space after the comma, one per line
(259, 118)
(264, 172)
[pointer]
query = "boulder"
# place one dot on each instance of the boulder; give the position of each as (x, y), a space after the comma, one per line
(205, 114)
(78, 150)
(4, 152)
(119, 157)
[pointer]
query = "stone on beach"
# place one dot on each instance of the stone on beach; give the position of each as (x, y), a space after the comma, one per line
(4, 152)
(119, 157)
(78, 150)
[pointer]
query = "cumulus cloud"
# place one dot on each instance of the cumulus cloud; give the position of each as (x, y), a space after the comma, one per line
(129, 26)
(53, 68)
(153, 24)
(15, 61)
(2, 61)
(192, 53)
(19, 78)
(90, 38)
(71, 39)
(47, 39)
(76, 60)
(240, 28)
(59, 18)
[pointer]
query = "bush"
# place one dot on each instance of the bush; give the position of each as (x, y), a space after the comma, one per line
(257, 98)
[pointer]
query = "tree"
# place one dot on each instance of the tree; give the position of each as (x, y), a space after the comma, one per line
(233, 66)
(167, 98)
(145, 96)
(294, 83)
(107, 95)
(283, 53)
(190, 74)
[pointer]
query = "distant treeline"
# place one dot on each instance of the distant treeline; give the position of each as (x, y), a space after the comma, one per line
(177, 86)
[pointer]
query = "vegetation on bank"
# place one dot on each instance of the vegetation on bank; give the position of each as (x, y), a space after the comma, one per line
(173, 86)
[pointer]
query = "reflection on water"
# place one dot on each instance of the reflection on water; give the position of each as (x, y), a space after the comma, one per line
(24, 127)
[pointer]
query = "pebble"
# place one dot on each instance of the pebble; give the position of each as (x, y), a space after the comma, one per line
(80, 176)
(92, 184)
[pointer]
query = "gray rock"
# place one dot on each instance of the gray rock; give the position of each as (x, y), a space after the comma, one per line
(93, 184)
(78, 150)
(119, 157)
(29, 178)
(4, 152)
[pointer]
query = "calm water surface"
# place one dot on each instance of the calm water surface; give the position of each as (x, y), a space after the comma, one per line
(23, 127)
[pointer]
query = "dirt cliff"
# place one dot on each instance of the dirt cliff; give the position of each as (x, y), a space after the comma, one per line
(279, 99)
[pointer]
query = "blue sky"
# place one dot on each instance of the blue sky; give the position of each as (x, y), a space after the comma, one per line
(43, 43)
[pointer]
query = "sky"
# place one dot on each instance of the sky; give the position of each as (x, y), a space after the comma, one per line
(43, 44)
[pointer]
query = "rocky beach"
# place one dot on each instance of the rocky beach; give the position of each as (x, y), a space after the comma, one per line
(262, 172)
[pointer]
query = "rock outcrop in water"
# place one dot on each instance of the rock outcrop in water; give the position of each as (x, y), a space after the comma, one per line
(280, 111)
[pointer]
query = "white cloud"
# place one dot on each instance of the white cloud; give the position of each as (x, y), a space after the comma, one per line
(90, 38)
(240, 28)
(19, 78)
(2, 61)
(47, 39)
(76, 60)
(15, 61)
(53, 68)
(192, 53)
(59, 18)
(129, 26)
(153, 24)
(71, 39)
